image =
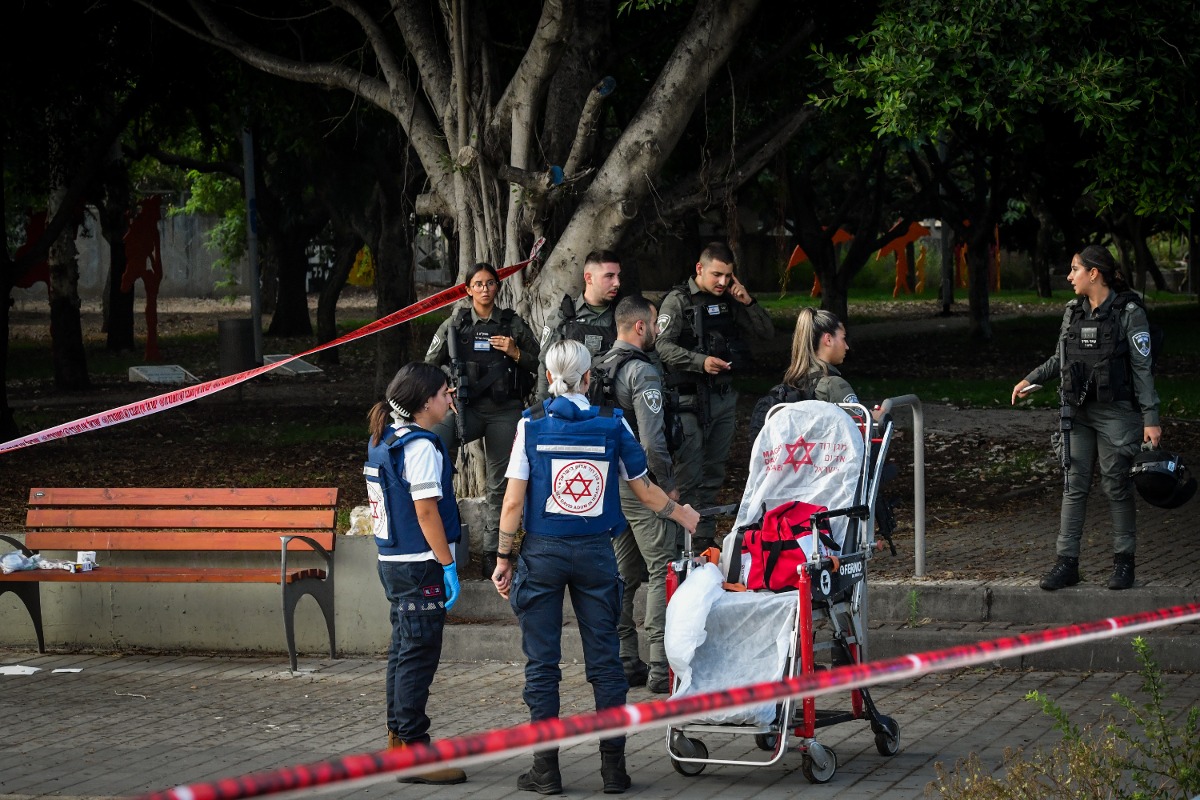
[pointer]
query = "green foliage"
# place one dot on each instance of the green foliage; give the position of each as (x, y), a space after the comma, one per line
(1148, 756)
(216, 194)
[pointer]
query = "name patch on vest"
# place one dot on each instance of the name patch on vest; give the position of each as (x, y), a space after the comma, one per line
(593, 343)
(483, 343)
(713, 310)
(1089, 337)
(577, 487)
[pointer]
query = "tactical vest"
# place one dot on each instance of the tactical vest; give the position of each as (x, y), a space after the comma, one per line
(602, 391)
(597, 337)
(394, 515)
(574, 474)
(479, 368)
(710, 327)
(1095, 358)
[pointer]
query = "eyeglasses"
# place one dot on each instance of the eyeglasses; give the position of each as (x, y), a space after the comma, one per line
(479, 286)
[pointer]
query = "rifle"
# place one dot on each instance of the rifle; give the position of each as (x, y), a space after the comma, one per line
(462, 380)
(1066, 413)
(703, 385)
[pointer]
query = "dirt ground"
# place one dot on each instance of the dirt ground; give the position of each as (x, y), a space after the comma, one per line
(310, 429)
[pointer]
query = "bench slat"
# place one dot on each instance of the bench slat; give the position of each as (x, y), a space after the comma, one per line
(180, 518)
(161, 575)
(151, 496)
(188, 540)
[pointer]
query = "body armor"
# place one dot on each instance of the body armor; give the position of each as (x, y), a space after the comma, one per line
(598, 338)
(1095, 357)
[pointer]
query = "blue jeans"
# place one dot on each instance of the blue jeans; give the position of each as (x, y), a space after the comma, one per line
(547, 568)
(417, 593)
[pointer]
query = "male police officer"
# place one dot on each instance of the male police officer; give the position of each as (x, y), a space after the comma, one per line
(625, 377)
(702, 330)
(587, 318)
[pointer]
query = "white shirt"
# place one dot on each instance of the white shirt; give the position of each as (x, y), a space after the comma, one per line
(423, 471)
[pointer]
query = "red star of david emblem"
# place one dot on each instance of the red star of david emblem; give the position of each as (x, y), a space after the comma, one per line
(577, 487)
(804, 458)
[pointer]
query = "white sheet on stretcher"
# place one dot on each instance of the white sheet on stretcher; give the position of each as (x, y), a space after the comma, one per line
(718, 640)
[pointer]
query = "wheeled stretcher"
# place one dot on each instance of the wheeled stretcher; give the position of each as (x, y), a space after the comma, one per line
(831, 457)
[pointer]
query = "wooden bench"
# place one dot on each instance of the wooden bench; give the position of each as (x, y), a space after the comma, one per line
(152, 521)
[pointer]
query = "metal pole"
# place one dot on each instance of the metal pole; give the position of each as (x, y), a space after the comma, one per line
(918, 473)
(252, 243)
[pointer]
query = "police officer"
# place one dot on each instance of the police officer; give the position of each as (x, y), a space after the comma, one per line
(587, 318)
(492, 354)
(562, 479)
(1109, 407)
(703, 326)
(625, 378)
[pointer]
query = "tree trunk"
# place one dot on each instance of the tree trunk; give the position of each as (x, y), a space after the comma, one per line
(394, 288)
(1043, 247)
(978, 264)
(291, 302)
(66, 327)
(345, 249)
(114, 222)
(8, 424)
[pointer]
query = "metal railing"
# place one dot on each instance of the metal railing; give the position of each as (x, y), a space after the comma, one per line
(918, 473)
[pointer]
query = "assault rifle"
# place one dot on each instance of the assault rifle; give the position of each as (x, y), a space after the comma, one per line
(1066, 413)
(462, 380)
(702, 385)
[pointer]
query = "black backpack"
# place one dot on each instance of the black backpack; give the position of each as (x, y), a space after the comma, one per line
(780, 393)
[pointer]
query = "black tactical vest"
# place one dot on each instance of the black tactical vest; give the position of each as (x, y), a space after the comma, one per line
(710, 327)
(489, 372)
(597, 337)
(1095, 358)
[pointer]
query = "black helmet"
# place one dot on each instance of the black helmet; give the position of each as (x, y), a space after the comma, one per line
(1162, 479)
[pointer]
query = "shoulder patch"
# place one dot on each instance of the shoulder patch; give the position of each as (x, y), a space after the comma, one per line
(653, 400)
(663, 321)
(850, 398)
(433, 345)
(545, 335)
(1141, 343)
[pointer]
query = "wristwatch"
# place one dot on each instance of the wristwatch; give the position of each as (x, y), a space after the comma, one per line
(506, 556)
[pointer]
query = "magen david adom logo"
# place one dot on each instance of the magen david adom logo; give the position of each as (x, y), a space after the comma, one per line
(578, 487)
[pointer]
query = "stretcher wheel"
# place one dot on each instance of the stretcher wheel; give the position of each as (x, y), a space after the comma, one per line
(887, 736)
(683, 747)
(820, 763)
(766, 741)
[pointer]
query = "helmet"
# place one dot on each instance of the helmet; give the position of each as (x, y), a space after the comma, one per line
(1162, 479)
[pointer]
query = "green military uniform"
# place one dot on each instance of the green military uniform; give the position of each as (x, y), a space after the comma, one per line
(595, 326)
(1108, 424)
(648, 544)
(700, 462)
(492, 412)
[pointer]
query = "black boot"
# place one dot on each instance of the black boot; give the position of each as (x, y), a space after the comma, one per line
(659, 679)
(543, 777)
(612, 771)
(1122, 577)
(636, 671)
(1065, 572)
(489, 564)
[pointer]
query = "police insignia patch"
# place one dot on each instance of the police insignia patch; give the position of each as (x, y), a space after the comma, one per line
(850, 398)
(663, 321)
(653, 398)
(1141, 342)
(434, 344)
(545, 335)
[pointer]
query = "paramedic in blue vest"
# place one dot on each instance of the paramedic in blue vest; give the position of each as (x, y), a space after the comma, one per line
(563, 480)
(704, 332)
(415, 522)
(1103, 360)
(588, 318)
(493, 375)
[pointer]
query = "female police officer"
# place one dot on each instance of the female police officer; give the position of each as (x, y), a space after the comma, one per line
(492, 355)
(561, 478)
(1109, 407)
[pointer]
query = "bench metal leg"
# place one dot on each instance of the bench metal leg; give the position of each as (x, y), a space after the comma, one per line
(30, 594)
(322, 592)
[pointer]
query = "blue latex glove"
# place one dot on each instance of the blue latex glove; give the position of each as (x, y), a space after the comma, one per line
(453, 589)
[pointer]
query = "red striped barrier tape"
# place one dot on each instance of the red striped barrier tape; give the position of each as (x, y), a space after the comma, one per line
(178, 397)
(475, 748)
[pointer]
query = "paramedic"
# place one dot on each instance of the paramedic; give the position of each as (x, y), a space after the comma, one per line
(562, 480)
(634, 385)
(587, 318)
(702, 330)
(497, 355)
(1109, 407)
(415, 522)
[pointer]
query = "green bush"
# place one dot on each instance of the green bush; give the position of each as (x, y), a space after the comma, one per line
(1144, 757)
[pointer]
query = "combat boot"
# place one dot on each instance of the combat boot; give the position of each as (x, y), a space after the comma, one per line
(434, 777)
(612, 770)
(1065, 572)
(1122, 577)
(543, 777)
(659, 680)
(636, 671)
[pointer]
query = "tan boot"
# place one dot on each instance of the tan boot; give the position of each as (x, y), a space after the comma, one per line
(434, 777)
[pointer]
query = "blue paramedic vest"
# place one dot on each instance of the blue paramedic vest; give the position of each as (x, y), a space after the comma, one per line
(394, 516)
(574, 472)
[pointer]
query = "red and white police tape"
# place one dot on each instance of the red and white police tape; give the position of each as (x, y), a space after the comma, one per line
(464, 750)
(187, 394)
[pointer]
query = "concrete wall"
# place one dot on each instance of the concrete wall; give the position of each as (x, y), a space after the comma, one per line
(187, 262)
